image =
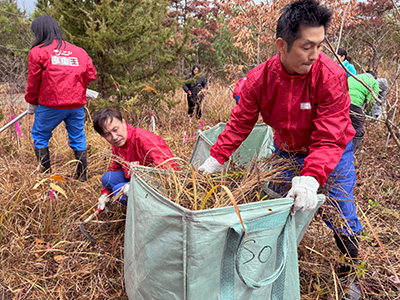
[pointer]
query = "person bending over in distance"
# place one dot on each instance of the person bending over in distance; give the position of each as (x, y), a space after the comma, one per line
(361, 98)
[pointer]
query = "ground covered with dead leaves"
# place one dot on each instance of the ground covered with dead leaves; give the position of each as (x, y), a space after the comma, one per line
(43, 254)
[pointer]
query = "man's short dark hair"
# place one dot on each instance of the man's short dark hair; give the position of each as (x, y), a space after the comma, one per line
(102, 116)
(307, 13)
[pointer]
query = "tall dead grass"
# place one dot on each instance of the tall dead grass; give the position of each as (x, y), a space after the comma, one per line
(43, 255)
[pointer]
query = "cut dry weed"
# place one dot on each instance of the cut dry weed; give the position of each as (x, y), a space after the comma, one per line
(43, 255)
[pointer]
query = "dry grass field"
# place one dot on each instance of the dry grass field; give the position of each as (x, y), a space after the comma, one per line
(43, 254)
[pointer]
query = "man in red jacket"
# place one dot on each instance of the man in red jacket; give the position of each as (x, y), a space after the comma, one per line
(58, 75)
(130, 146)
(303, 95)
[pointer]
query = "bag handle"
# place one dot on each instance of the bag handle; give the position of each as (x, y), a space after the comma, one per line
(232, 253)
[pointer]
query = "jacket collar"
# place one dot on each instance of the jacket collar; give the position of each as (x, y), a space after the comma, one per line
(285, 76)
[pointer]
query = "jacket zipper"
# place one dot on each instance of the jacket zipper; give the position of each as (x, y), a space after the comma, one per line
(289, 110)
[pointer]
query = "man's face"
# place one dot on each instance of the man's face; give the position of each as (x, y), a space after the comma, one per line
(195, 71)
(304, 51)
(115, 132)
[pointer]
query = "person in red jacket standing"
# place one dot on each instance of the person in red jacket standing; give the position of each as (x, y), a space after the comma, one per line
(130, 146)
(236, 90)
(58, 75)
(303, 95)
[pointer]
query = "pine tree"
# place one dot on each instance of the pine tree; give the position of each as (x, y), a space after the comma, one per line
(129, 45)
(15, 39)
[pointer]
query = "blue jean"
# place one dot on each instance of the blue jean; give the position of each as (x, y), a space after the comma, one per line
(47, 119)
(114, 181)
(342, 215)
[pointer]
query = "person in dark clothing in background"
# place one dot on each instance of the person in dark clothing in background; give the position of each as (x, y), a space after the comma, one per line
(194, 85)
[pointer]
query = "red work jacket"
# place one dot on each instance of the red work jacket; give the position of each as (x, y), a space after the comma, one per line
(309, 113)
(59, 78)
(142, 147)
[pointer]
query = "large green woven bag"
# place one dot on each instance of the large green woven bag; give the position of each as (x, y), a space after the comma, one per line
(259, 143)
(174, 253)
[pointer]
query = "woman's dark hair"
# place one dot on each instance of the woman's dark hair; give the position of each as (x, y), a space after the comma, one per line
(102, 116)
(373, 73)
(46, 30)
(196, 66)
(342, 52)
(307, 13)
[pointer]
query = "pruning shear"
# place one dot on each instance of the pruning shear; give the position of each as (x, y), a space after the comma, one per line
(88, 219)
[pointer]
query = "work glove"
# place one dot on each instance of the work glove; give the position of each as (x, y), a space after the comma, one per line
(31, 108)
(210, 166)
(91, 94)
(125, 190)
(102, 201)
(304, 192)
(189, 93)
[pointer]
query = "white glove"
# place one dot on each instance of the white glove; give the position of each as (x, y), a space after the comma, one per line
(210, 166)
(90, 94)
(31, 108)
(304, 191)
(103, 199)
(125, 191)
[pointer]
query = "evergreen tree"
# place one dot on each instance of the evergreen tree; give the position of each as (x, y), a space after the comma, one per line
(15, 40)
(129, 45)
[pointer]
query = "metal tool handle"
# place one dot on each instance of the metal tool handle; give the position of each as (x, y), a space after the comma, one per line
(13, 121)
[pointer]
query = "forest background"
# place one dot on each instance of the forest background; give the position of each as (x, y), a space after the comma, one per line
(147, 47)
(143, 50)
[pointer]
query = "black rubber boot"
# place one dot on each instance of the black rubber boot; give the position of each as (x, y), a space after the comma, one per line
(348, 245)
(81, 166)
(43, 156)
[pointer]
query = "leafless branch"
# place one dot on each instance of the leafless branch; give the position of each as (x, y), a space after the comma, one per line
(341, 26)
(396, 8)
